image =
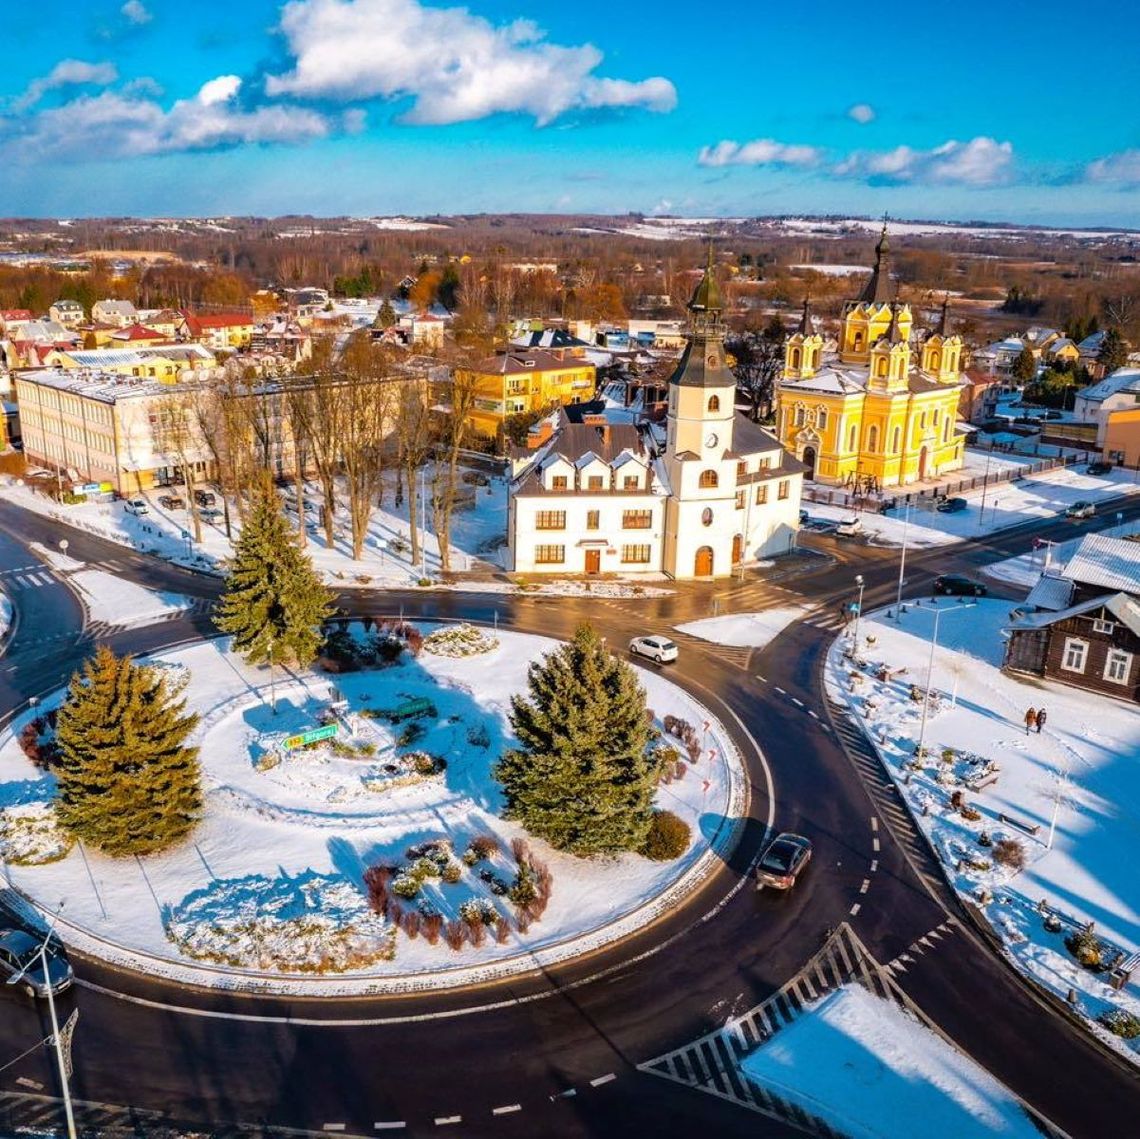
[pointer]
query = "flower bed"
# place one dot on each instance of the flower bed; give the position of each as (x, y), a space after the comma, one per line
(460, 641)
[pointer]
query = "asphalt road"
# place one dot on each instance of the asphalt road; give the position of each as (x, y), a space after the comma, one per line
(214, 1058)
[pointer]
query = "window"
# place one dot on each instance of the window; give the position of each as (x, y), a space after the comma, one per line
(740, 500)
(821, 419)
(550, 520)
(881, 369)
(631, 482)
(714, 403)
(707, 516)
(1117, 666)
(636, 519)
(935, 417)
(741, 471)
(558, 482)
(708, 479)
(761, 495)
(593, 519)
(549, 555)
(895, 440)
(1100, 626)
(946, 430)
(635, 555)
(1076, 652)
(795, 357)
(872, 438)
(765, 463)
(594, 482)
(799, 421)
(785, 489)
(922, 420)
(852, 436)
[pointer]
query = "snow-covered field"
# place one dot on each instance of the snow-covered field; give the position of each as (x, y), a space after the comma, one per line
(273, 877)
(753, 630)
(1039, 496)
(873, 1071)
(1080, 772)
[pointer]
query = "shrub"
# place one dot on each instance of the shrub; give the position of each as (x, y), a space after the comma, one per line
(502, 930)
(477, 932)
(432, 927)
(406, 886)
(470, 858)
(376, 879)
(455, 934)
(1121, 1022)
(970, 814)
(668, 837)
(479, 910)
(425, 868)
(523, 891)
(679, 769)
(478, 736)
(395, 913)
(1010, 852)
(413, 919)
(485, 845)
(341, 648)
(412, 731)
(1085, 946)
(451, 873)
(520, 849)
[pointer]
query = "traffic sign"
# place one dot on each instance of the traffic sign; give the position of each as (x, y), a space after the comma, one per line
(306, 738)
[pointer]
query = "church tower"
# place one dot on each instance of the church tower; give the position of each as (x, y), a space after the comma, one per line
(804, 348)
(942, 353)
(890, 358)
(867, 318)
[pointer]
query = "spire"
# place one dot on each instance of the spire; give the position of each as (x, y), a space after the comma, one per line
(706, 296)
(878, 288)
(807, 324)
(894, 333)
(944, 320)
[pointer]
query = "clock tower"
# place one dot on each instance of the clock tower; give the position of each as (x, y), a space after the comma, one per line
(699, 460)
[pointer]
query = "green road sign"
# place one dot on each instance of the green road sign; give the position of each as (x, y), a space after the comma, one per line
(306, 738)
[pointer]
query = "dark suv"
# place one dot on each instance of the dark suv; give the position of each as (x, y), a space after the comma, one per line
(1099, 468)
(205, 497)
(958, 585)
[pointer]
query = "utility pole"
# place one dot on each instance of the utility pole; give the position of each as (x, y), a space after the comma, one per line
(902, 566)
(930, 676)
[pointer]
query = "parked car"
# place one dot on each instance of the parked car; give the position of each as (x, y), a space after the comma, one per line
(475, 478)
(783, 861)
(952, 505)
(210, 514)
(20, 956)
(848, 528)
(205, 497)
(657, 648)
(1100, 467)
(136, 506)
(1054, 415)
(958, 585)
(171, 502)
(1081, 509)
(804, 516)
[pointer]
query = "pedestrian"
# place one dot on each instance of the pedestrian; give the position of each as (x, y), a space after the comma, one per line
(1030, 719)
(1040, 719)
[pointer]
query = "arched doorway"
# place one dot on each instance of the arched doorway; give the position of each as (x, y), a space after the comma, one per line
(737, 548)
(703, 565)
(923, 455)
(809, 462)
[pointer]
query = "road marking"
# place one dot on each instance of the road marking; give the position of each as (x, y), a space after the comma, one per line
(866, 886)
(874, 844)
(444, 1120)
(812, 714)
(855, 909)
(780, 690)
(874, 865)
(506, 1110)
(607, 1078)
(393, 1126)
(333, 1127)
(24, 1082)
(564, 1095)
(797, 702)
(874, 823)
(762, 679)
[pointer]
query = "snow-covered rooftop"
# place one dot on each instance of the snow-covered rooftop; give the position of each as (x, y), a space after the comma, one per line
(1123, 379)
(1113, 563)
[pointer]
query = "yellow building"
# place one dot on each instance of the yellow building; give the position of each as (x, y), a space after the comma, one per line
(526, 380)
(871, 416)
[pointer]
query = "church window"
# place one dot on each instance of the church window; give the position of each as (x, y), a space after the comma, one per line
(935, 360)
(895, 439)
(761, 495)
(873, 438)
(852, 436)
(858, 341)
(881, 369)
(714, 403)
(784, 489)
(946, 430)
(795, 357)
(922, 420)
(707, 516)
(800, 416)
(708, 479)
(935, 414)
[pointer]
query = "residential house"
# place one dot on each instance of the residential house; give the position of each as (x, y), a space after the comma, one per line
(165, 321)
(12, 318)
(135, 334)
(1122, 438)
(70, 314)
(1119, 391)
(998, 358)
(422, 329)
(220, 332)
(116, 313)
(1062, 351)
(1089, 350)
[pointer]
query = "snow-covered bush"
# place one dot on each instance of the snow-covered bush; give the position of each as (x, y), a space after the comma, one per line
(1010, 852)
(30, 836)
(460, 641)
(479, 910)
(1121, 1022)
(406, 885)
(668, 838)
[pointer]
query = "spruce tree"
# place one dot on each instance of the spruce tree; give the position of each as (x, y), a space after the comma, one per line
(1113, 352)
(274, 603)
(1025, 366)
(582, 777)
(127, 781)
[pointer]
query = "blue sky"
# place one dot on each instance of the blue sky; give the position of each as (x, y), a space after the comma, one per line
(997, 110)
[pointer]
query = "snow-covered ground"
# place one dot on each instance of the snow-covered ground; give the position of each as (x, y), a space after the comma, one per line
(1080, 772)
(1025, 569)
(279, 858)
(753, 630)
(1040, 496)
(117, 601)
(5, 613)
(873, 1071)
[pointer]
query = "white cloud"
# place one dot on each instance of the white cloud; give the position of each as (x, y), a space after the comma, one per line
(861, 112)
(980, 162)
(760, 152)
(1122, 167)
(135, 12)
(66, 73)
(455, 66)
(116, 124)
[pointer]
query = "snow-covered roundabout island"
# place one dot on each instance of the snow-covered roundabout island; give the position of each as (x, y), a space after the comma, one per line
(353, 841)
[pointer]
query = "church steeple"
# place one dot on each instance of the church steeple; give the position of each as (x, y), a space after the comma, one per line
(807, 324)
(879, 289)
(944, 320)
(803, 349)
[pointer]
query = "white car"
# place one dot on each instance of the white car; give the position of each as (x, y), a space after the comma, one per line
(848, 528)
(657, 648)
(136, 506)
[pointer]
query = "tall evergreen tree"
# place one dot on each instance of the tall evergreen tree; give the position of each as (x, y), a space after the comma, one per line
(1113, 352)
(127, 781)
(1025, 366)
(582, 777)
(274, 603)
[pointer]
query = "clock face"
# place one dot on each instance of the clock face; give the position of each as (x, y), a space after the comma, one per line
(711, 441)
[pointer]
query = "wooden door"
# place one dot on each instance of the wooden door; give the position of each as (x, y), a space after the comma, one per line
(593, 561)
(703, 566)
(737, 548)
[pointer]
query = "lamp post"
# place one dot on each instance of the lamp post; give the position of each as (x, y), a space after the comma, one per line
(930, 675)
(985, 484)
(423, 522)
(858, 611)
(902, 565)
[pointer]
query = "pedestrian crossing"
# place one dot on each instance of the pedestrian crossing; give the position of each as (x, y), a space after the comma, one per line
(27, 577)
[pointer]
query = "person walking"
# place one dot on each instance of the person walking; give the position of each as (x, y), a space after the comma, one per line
(1030, 719)
(1040, 719)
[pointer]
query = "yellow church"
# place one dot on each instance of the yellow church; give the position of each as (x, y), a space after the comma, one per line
(866, 416)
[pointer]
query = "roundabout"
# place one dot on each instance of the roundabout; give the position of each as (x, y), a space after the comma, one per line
(352, 840)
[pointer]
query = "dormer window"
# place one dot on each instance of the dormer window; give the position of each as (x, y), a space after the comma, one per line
(1102, 626)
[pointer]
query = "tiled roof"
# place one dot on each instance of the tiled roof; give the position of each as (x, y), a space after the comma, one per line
(1111, 563)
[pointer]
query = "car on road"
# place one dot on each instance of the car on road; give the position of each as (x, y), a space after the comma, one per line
(210, 514)
(655, 647)
(783, 861)
(1081, 509)
(205, 497)
(958, 585)
(952, 505)
(849, 528)
(136, 506)
(20, 957)
(171, 502)
(1099, 468)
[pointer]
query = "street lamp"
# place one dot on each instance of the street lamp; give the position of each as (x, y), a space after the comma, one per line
(985, 484)
(858, 610)
(902, 564)
(930, 675)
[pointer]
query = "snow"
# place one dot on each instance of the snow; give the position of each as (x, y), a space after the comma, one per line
(752, 630)
(1081, 768)
(275, 820)
(1025, 569)
(116, 601)
(5, 613)
(872, 1070)
(832, 270)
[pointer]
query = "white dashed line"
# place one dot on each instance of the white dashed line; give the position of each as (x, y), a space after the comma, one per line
(855, 909)
(780, 690)
(874, 823)
(874, 865)
(874, 844)
(333, 1127)
(444, 1120)
(866, 886)
(510, 1107)
(395, 1125)
(812, 714)
(797, 702)
(565, 1095)
(762, 679)
(24, 1082)
(607, 1078)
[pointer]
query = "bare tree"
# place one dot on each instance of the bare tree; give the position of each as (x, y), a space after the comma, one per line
(454, 426)
(179, 437)
(414, 442)
(319, 408)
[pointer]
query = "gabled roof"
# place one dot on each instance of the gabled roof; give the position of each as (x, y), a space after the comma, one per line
(1110, 563)
(137, 332)
(1124, 608)
(198, 324)
(1122, 380)
(1052, 592)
